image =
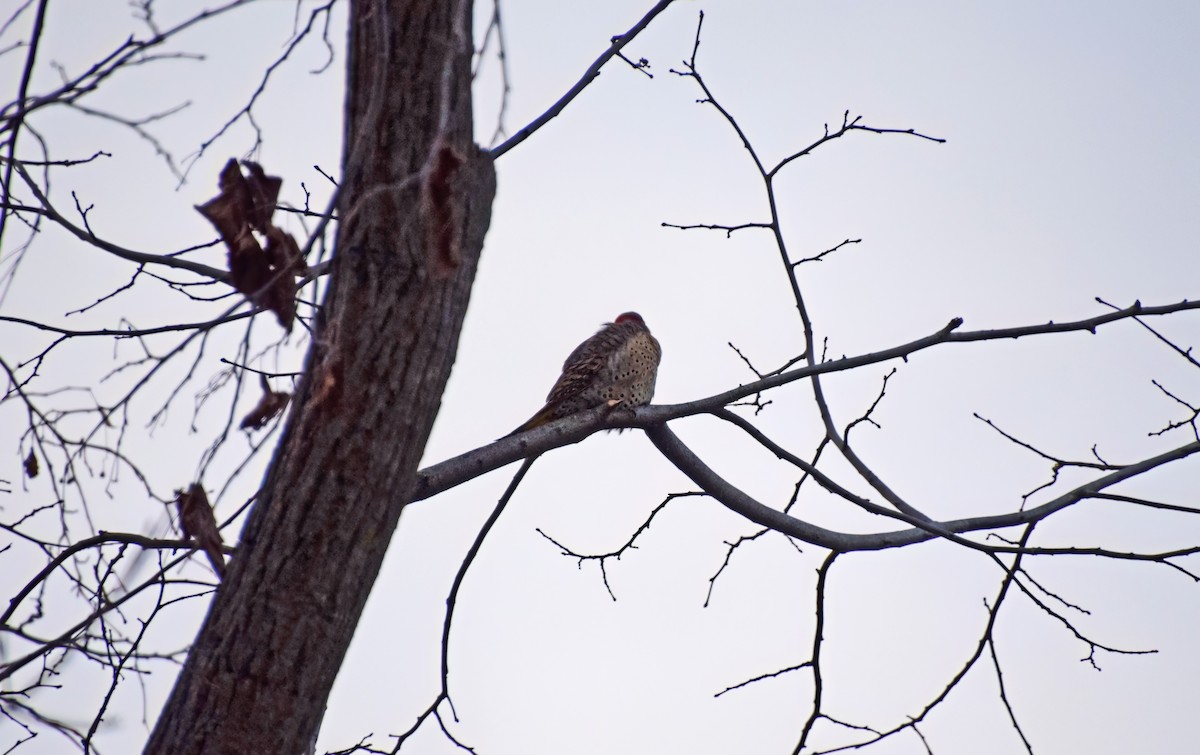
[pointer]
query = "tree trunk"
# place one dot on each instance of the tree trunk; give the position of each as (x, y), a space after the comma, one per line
(414, 206)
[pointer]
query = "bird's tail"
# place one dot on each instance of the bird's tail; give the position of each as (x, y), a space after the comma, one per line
(544, 415)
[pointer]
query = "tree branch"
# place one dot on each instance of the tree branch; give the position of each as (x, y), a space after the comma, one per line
(618, 43)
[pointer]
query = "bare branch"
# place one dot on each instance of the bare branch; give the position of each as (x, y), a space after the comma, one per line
(818, 639)
(440, 477)
(600, 558)
(728, 229)
(761, 677)
(88, 237)
(618, 43)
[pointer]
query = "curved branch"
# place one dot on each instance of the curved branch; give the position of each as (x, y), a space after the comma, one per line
(104, 538)
(87, 236)
(452, 599)
(89, 81)
(736, 500)
(441, 477)
(133, 333)
(13, 666)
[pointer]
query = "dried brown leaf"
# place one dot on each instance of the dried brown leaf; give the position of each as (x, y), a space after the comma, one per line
(283, 252)
(269, 405)
(245, 205)
(31, 465)
(227, 210)
(263, 191)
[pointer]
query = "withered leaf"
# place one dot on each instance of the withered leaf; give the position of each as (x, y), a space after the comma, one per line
(245, 205)
(283, 252)
(226, 211)
(198, 523)
(31, 465)
(270, 405)
(264, 192)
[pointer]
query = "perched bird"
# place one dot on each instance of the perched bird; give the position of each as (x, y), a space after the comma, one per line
(618, 365)
(198, 523)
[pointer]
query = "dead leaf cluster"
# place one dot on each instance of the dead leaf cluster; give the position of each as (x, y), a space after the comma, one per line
(265, 272)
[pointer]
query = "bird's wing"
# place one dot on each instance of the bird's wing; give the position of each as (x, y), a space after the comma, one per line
(586, 362)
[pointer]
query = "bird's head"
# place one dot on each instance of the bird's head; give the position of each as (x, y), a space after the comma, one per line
(629, 317)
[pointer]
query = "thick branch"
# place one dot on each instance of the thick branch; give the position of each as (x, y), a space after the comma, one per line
(736, 500)
(448, 474)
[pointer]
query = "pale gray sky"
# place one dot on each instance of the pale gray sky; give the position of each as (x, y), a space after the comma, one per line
(1070, 171)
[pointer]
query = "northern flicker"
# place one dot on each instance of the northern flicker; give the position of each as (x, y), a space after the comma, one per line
(617, 365)
(198, 523)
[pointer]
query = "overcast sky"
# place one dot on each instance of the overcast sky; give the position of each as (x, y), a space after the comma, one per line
(1070, 171)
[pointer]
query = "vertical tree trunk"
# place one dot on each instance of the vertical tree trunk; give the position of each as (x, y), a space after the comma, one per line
(415, 204)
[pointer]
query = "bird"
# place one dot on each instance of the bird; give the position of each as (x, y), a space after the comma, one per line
(616, 366)
(198, 523)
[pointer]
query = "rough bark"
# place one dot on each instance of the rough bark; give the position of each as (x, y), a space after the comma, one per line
(415, 204)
